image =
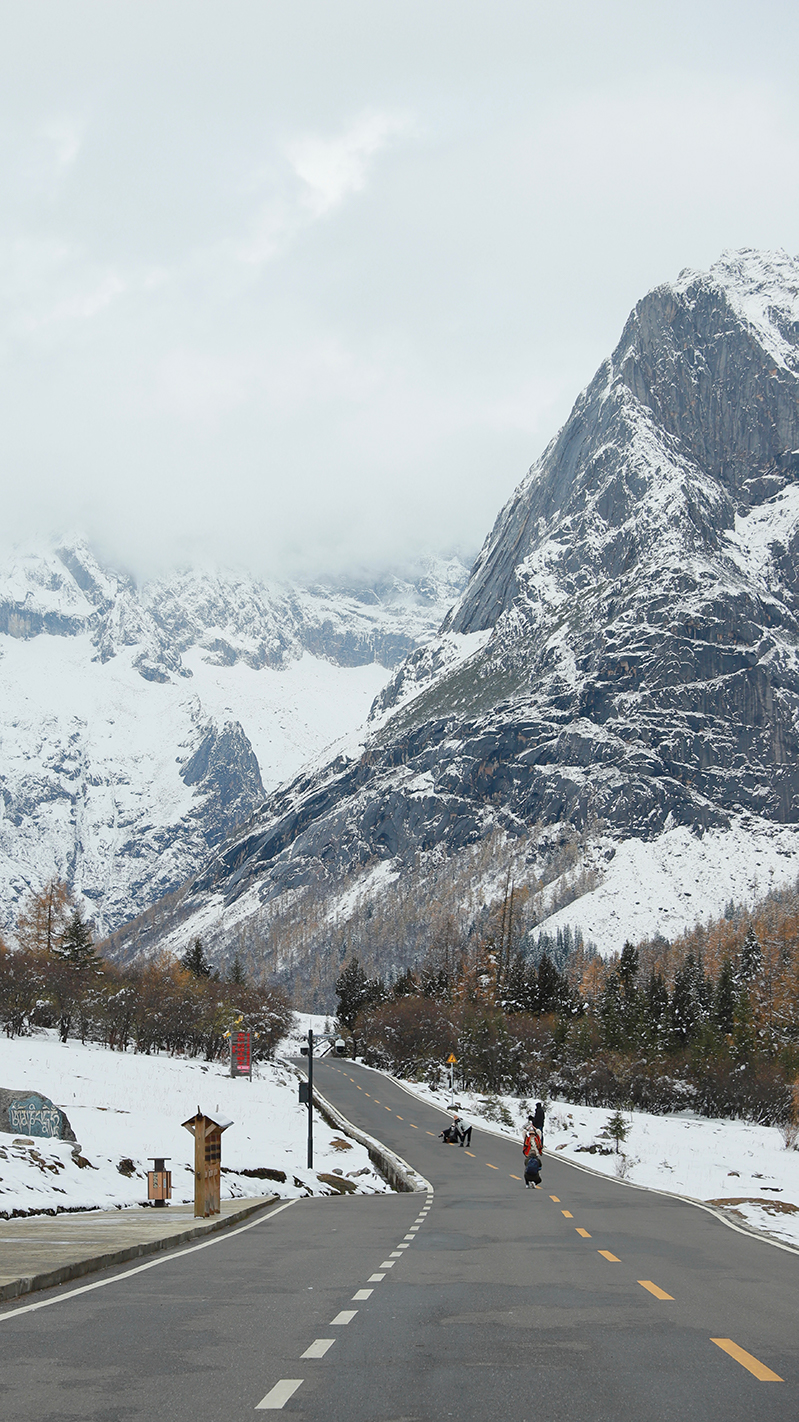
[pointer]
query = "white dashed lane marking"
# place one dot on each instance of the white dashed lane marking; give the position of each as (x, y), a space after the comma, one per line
(346, 1316)
(318, 1348)
(376, 1278)
(279, 1395)
(362, 1294)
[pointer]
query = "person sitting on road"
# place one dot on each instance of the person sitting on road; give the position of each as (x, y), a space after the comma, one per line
(450, 1135)
(464, 1131)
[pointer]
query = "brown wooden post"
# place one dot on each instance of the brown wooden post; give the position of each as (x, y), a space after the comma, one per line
(207, 1131)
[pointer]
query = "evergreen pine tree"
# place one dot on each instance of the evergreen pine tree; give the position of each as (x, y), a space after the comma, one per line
(76, 944)
(751, 963)
(237, 974)
(725, 999)
(195, 961)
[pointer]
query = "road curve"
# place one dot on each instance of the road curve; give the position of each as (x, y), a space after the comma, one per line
(582, 1300)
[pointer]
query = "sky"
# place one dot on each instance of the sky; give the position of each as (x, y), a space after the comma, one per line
(305, 287)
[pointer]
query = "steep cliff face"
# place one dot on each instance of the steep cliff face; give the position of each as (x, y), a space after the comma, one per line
(625, 653)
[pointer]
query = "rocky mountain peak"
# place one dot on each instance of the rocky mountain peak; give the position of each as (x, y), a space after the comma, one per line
(624, 656)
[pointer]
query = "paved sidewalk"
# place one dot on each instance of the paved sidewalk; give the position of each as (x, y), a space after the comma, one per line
(41, 1251)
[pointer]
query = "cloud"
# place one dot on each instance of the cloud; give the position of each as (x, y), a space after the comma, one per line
(334, 168)
(66, 135)
(326, 170)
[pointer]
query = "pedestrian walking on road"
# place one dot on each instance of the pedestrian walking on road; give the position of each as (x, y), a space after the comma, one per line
(533, 1151)
(538, 1119)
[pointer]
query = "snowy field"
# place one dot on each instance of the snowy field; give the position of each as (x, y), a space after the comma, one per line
(733, 1164)
(124, 1107)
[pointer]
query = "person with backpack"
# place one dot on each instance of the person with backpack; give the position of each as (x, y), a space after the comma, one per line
(533, 1151)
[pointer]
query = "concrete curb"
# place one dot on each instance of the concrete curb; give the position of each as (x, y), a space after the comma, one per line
(400, 1175)
(79, 1267)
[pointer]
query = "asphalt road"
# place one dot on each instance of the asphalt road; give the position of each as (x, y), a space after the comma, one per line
(482, 1301)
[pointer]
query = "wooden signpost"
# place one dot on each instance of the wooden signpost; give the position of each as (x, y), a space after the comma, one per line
(207, 1131)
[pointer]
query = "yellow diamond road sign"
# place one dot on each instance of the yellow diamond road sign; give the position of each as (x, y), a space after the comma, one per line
(451, 1060)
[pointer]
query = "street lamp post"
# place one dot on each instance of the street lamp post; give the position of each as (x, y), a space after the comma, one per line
(306, 1087)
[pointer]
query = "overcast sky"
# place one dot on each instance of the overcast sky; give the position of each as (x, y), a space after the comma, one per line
(307, 285)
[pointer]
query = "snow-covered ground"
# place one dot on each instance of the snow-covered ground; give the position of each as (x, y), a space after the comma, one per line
(732, 1164)
(665, 885)
(127, 1107)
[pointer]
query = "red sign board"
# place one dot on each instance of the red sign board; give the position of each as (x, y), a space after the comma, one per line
(240, 1054)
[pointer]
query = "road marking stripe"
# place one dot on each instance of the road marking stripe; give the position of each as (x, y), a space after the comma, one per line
(568, 1214)
(346, 1316)
(556, 1198)
(387, 1264)
(374, 1098)
(469, 1152)
(376, 1278)
(746, 1360)
(279, 1394)
(164, 1258)
(653, 1289)
(368, 1093)
(430, 1133)
(414, 1229)
(606, 1254)
(515, 1177)
(318, 1348)
(490, 1166)
(402, 1246)
(412, 1126)
(400, 1118)
(395, 1254)
(362, 1294)
(385, 1108)
(586, 1235)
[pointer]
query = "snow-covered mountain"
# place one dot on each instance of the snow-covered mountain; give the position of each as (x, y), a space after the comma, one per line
(624, 660)
(139, 726)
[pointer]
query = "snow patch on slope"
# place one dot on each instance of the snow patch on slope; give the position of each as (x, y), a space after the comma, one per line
(667, 884)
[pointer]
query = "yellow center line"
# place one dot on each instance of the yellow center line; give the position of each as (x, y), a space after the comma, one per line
(490, 1166)
(374, 1098)
(360, 1088)
(412, 1126)
(586, 1235)
(653, 1289)
(385, 1108)
(556, 1198)
(515, 1177)
(399, 1118)
(469, 1152)
(746, 1360)
(606, 1254)
(568, 1214)
(367, 1093)
(430, 1133)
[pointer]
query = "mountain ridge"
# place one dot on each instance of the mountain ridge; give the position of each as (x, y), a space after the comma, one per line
(625, 654)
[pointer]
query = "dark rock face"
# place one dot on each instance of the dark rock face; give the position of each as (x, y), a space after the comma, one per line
(626, 649)
(225, 772)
